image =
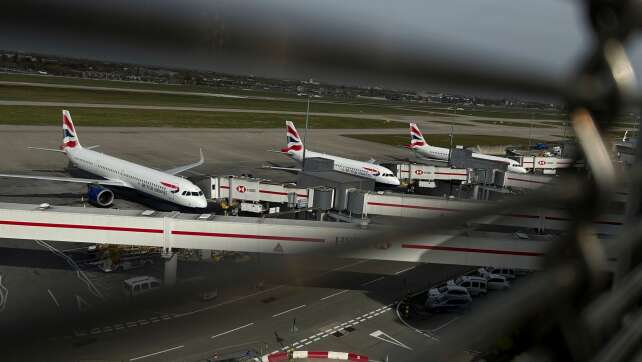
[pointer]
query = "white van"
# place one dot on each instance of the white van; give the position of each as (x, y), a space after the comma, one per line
(507, 273)
(140, 285)
(474, 285)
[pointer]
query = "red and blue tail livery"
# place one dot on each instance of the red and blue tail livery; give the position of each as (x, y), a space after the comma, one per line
(69, 137)
(416, 137)
(295, 146)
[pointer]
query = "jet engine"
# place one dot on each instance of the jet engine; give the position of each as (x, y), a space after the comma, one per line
(100, 196)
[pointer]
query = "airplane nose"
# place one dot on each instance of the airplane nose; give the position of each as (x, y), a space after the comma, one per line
(201, 203)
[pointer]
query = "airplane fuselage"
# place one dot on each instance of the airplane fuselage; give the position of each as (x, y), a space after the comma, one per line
(143, 179)
(379, 174)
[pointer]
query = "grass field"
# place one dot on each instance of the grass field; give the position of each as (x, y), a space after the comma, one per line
(30, 93)
(511, 123)
(138, 85)
(151, 118)
(494, 112)
(443, 140)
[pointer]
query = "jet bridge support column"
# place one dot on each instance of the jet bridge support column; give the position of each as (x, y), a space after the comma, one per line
(171, 263)
(169, 256)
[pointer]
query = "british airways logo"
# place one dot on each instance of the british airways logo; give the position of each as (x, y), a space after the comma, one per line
(173, 187)
(372, 171)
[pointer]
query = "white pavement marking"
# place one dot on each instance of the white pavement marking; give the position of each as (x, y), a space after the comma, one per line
(335, 294)
(349, 265)
(387, 338)
(338, 328)
(428, 335)
(444, 325)
(53, 298)
(289, 310)
(226, 302)
(372, 281)
(79, 273)
(232, 330)
(405, 270)
(156, 353)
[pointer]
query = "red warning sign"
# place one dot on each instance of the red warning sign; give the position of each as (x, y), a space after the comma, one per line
(419, 172)
(241, 188)
(541, 162)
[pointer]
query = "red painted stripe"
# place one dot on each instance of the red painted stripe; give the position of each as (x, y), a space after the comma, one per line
(78, 226)
(450, 173)
(225, 187)
(470, 250)
(278, 356)
(531, 181)
(280, 193)
(357, 357)
(247, 236)
(317, 354)
(411, 206)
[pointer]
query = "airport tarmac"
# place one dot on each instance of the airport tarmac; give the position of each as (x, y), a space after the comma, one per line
(164, 148)
(325, 298)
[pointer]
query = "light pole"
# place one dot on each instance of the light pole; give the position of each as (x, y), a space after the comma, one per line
(305, 133)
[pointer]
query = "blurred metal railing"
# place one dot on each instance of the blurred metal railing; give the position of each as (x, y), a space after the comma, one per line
(571, 299)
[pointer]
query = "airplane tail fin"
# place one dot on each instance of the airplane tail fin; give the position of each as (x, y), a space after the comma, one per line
(295, 146)
(416, 137)
(69, 136)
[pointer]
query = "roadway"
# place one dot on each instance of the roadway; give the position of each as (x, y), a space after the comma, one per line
(335, 306)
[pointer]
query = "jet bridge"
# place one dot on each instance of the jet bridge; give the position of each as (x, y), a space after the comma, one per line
(419, 206)
(258, 235)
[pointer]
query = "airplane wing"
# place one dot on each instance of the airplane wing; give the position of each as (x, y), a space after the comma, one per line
(179, 169)
(46, 149)
(289, 169)
(69, 179)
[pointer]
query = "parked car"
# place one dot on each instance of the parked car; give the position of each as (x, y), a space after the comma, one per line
(474, 285)
(449, 290)
(508, 273)
(446, 304)
(140, 285)
(497, 282)
(493, 281)
(448, 297)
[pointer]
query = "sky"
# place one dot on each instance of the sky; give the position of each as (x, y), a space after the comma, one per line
(300, 39)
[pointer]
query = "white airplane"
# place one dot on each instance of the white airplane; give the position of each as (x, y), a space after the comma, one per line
(379, 174)
(163, 185)
(419, 145)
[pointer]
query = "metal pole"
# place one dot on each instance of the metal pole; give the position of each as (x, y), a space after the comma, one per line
(451, 143)
(305, 133)
(530, 132)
